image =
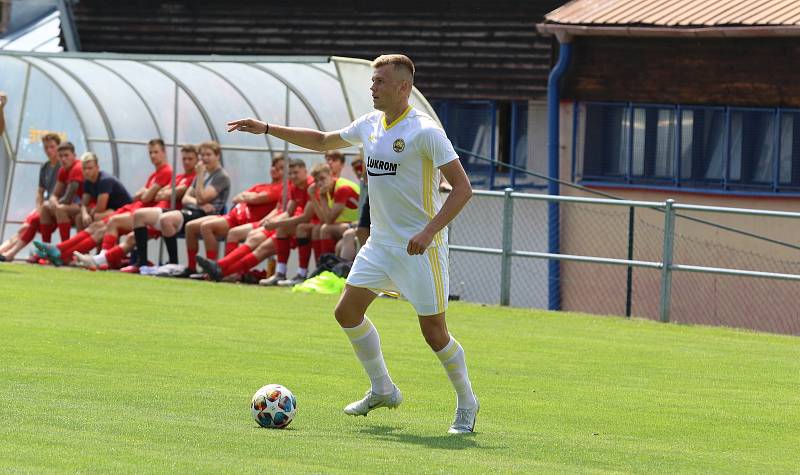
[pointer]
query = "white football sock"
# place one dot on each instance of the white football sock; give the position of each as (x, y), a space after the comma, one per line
(452, 358)
(367, 345)
(302, 271)
(100, 259)
(280, 268)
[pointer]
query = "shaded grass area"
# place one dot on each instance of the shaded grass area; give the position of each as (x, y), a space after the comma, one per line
(107, 372)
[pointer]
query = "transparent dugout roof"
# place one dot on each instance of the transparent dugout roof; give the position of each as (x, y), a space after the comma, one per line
(113, 104)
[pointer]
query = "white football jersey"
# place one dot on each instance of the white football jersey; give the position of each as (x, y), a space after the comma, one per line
(402, 160)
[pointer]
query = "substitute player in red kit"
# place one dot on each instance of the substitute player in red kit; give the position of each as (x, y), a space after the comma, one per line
(65, 202)
(147, 196)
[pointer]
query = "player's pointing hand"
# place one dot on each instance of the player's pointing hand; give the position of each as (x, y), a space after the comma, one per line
(248, 125)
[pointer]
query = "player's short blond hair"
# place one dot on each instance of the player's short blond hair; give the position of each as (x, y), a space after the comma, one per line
(398, 60)
(319, 169)
(88, 157)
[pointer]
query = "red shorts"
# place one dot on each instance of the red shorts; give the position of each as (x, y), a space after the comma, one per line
(235, 219)
(128, 208)
(153, 233)
(32, 218)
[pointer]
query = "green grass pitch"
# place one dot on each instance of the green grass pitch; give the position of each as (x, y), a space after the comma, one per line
(109, 373)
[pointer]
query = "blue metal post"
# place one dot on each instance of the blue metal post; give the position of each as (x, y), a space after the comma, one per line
(553, 220)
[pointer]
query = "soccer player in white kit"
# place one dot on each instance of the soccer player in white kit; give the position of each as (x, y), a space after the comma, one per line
(405, 151)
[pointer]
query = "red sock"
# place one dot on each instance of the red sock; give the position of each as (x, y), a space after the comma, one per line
(211, 254)
(86, 245)
(327, 246)
(82, 242)
(303, 252)
(114, 257)
(68, 245)
(47, 231)
(29, 233)
(192, 253)
(230, 247)
(316, 245)
(232, 258)
(109, 241)
(63, 230)
(283, 248)
(247, 262)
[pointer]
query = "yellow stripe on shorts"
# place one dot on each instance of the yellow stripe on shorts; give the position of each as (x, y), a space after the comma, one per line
(433, 258)
(428, 184)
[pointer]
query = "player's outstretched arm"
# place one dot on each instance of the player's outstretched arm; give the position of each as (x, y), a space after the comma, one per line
(307, 138)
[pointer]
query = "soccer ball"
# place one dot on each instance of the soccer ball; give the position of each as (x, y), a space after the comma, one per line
(273, 406)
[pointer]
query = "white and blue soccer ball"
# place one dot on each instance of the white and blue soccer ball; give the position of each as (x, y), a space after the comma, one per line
(273, 406)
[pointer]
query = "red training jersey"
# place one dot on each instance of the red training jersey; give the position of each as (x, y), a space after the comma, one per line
(73, 174)
(185, 179)
(274, 194)
(345, 194)
(162, 177)
(300, 195)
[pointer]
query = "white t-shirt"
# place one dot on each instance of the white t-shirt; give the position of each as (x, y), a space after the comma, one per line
(402, 160)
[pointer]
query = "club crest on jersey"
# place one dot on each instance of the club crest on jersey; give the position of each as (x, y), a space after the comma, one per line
(399, 145)
(380, 167)
(373, 138)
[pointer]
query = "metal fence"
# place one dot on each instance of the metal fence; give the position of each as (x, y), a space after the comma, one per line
(656, 260)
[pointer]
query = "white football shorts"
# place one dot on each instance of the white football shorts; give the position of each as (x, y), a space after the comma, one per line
(423, 279)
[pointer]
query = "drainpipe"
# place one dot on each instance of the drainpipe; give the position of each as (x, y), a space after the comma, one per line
(553, 145)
